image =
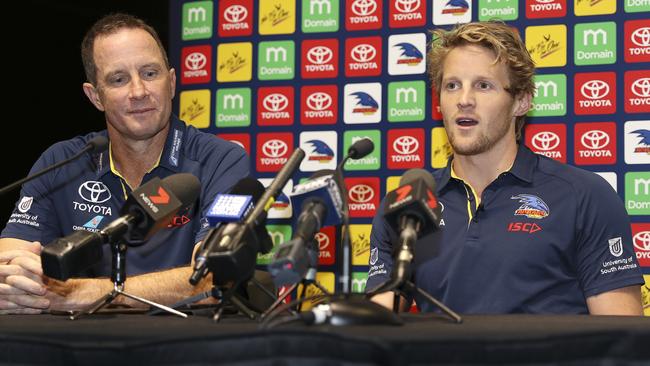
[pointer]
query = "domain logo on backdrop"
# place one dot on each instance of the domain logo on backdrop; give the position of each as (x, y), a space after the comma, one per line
(235, 18)
(595, 93)
(233, 107)
(407, 13)
(363, 14)
(276, 60)
(318, 104)
(273, 150)
(547, 139)
(550, 95)
(196, 63)
(275, 106)
(197, 20)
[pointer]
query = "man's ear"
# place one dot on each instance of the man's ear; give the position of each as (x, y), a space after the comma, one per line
(93, 95)
(523, 103)
(172, 77)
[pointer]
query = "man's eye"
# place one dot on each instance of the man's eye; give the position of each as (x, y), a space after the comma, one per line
(484, 85)
(451, 86)
(117, 80)
(150, 74)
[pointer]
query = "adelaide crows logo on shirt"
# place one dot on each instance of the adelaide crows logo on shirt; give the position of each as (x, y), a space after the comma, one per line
(532, 206)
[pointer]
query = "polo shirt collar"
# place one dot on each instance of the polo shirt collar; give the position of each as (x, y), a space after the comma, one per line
(170, 157)
(522, 168)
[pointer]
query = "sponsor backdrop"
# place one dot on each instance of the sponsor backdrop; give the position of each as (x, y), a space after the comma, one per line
(275, 74)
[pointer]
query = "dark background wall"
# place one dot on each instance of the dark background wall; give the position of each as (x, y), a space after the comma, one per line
(42, 74)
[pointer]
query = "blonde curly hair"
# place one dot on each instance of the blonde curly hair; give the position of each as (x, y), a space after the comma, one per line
(496, 36)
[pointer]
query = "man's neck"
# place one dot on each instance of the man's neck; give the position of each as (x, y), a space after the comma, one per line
(482, 169)
(134, 158)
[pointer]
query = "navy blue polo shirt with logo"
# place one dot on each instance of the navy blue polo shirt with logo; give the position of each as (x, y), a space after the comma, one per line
(87, 194)
(543, 237)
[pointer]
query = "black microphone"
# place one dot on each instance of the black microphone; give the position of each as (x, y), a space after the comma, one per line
(321, 205)
(361, 148)
(413, 211)
(235, 255)
(147, 210)
(95, 145)
(245, 187)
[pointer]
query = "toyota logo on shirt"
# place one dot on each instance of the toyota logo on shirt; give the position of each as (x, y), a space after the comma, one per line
(94, 192)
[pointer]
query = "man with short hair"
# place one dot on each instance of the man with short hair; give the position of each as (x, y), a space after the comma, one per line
(131, 81)
(579, 256)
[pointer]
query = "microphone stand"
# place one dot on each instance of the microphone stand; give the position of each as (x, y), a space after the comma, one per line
(118, 277)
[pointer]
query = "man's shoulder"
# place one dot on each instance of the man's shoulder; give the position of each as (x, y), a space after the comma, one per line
(200, 145)
(580, 180)
(67, 148)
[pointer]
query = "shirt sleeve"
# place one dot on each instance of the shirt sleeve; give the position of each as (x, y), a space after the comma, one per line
(233, 166)
(34, 216)
(605, 253)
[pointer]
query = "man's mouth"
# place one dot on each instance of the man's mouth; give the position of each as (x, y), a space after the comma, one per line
(466, 122)
(141, 110)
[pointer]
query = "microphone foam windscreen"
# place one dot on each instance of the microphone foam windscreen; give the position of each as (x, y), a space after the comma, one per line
(412, 175)
(185, 186)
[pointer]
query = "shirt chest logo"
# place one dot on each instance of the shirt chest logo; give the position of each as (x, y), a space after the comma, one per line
(94, 192)
(532, 206)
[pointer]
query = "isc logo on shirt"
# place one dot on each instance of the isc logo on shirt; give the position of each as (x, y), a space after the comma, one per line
(547, 139)
(273, 150)
(547, 45)
(318, 104)
(234, 62)
(196, 63)
(595, 143)
(320, 58)
(363, 56)
(363, 14)
(275, 106)
(362, 103)
(405, 148)
(326, 240)
(406, 54)
(195, 107)
(320, 150)
(452, 12)
(595, 93)
(637, 91)
(363, 196)
(637, 40)
(545, 8)
(407, 13)
(235, 18)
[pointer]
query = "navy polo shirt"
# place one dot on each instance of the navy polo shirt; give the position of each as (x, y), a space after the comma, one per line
(544, 237)
(87, 195)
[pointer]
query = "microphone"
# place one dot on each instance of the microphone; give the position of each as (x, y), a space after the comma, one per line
(147, 210)
(235, 255)
(229, 208)
(95, 145)
(361, 148)
(321, 205)
(413, 210)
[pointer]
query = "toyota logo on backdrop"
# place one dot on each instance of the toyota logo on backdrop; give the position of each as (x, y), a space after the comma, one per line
(405, 145)
(322, 240)
(364, 7)
(274, 148)
(595, 139)
(94, 192)
(195, 61)
(319, 55)
(407, 6)
(363, 53)
(642, 240)
(594, 89)
(641, 88)
(641, 37)
(319, 101)
(275, 102)
(235, 13)
(545, 141)
(361, 193)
